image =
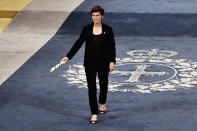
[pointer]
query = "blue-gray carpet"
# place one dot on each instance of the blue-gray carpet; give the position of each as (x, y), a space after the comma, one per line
(160, 40)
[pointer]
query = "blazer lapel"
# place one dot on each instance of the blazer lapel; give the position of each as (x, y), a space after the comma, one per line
(103, 29)
(90, 31)
(91, 28)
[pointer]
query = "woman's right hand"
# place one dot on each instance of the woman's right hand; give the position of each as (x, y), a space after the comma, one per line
(65, 59)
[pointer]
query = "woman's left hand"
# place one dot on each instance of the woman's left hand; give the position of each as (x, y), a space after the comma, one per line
(111, 66)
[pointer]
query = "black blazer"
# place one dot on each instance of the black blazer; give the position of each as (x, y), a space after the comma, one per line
(108, 45)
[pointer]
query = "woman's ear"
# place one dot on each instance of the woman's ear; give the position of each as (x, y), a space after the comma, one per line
(102, 16)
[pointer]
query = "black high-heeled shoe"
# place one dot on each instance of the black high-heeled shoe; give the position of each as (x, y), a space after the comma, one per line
(102, 111)
(94, 121)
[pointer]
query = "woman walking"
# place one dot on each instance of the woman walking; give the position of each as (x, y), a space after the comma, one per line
(99, 57)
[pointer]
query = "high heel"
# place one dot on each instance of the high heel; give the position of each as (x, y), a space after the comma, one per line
(102, 111)
(93, 121)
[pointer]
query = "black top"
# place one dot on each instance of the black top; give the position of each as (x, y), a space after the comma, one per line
(97, 42)
(96, 49)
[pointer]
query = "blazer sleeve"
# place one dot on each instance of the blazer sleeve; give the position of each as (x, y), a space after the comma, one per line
(77, 45)
(112, 46)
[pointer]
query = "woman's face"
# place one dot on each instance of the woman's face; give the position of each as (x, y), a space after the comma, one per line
(96, 17)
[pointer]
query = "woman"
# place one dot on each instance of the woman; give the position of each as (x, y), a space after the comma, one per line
(99, 58)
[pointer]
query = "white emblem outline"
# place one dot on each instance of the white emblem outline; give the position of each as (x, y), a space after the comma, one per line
(184, 68)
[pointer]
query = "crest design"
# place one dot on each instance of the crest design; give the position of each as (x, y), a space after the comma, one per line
(144, 71)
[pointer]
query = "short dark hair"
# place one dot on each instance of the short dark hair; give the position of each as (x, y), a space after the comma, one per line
(97, 8)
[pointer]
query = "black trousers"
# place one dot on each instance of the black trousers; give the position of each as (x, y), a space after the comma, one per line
(91, 73)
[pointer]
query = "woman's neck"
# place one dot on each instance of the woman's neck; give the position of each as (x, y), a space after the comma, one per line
(97, 24)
